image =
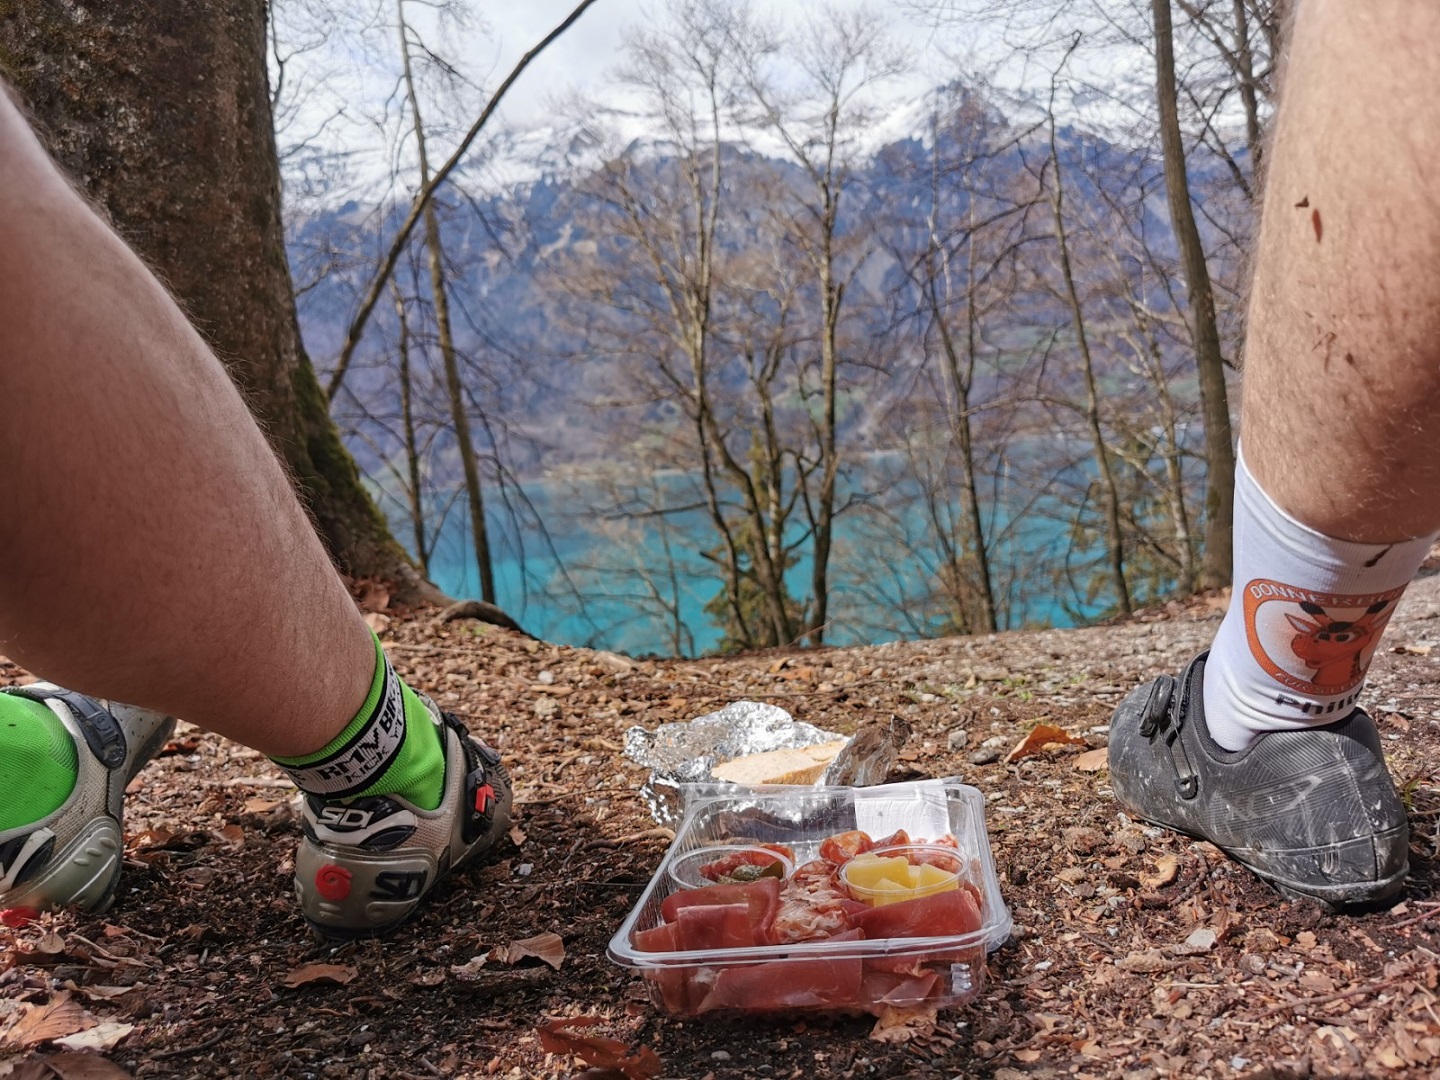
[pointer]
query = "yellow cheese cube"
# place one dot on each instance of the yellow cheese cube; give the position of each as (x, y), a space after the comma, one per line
(867, 872)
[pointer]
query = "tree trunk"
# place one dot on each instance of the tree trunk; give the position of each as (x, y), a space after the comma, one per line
(1219, 450)
(412, 449)
(831, 295)
(1245, 69)
(459, 415)
(161, 112)
(1114, 535)
(959, 375)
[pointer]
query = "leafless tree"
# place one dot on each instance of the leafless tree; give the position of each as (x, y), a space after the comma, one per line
(841, 57)
(440, 296)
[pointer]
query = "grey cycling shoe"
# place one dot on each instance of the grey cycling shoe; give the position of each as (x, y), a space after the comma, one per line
(365, 864)
(72, 856)
(1312, 811)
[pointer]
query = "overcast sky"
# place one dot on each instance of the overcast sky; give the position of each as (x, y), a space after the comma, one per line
(584, 55)
(353, 76)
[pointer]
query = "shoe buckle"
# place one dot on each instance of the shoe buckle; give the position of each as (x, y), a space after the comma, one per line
(1186, 782)
(1155, 713)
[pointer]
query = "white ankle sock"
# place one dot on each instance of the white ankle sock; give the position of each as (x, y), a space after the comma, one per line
(1305, 618)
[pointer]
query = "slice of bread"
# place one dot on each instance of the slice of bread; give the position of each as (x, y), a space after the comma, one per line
(803, 766)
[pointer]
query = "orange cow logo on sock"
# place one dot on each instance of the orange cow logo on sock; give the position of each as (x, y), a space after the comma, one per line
(1314, 643)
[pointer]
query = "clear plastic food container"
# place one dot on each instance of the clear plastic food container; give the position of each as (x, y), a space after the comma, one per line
(841, 968)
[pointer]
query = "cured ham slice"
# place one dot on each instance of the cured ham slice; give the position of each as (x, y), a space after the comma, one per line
(718, 926)
(661, 939)
(939, 915)
(761, 898)
(813, 982)
(813, 905)
(676, 983)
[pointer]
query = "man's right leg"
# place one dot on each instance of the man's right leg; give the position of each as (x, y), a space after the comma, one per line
(1258, 746)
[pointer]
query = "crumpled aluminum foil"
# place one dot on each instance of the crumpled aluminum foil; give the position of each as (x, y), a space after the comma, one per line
(684, 753)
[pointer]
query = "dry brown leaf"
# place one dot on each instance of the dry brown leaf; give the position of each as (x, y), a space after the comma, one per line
(152, 839)
(377, 621)
(261, 805)
(1041, 738)
(1166, 867)
(183, 746)
(1146, 963)
(597, 1051)
(470, 970)
(100, 993)
(517, 836)
(428, 977)
(1387, 1056)
(68, 1066)
(40, 1023)
(313, 973)
(373, 597)
(614, 662)
(1200, 941)
(547, 947)
(898, 1025)
(101, 1037)
(1414, 650)
(1305, 939)
(1093, 760)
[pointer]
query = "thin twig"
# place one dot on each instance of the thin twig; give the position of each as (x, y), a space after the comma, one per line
(1434, 907)
(631, 838)
(182, 1051)
(1325, 999)
(422, 198)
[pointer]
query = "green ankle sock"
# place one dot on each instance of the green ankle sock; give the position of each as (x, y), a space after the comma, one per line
(38, 762)
(418, 772)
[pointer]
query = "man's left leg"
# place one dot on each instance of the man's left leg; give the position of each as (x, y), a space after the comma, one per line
(153, 552)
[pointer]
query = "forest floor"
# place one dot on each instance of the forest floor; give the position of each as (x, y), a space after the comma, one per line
(203, 968)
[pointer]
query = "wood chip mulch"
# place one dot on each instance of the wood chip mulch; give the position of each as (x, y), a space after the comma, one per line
(1137, 953)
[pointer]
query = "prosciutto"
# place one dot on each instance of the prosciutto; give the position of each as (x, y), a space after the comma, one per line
(812, 906)
(761, 900)
(801, 983)
(938, 915)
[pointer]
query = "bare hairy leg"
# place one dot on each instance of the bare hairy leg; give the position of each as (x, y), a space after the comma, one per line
(152, 550)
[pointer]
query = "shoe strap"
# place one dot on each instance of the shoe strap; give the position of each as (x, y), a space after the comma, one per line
(100, 728)
(481, 798)
(1164, 714)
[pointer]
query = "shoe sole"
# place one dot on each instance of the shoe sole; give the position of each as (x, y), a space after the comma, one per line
(1338, 898)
